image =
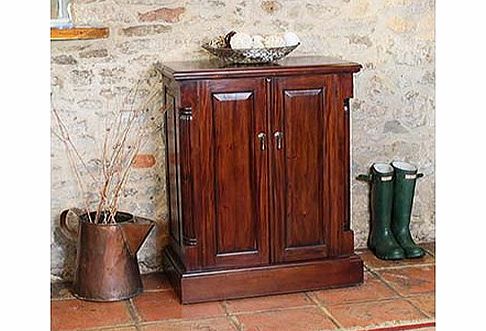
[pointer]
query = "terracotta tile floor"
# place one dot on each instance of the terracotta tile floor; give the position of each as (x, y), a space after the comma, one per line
(395, 296)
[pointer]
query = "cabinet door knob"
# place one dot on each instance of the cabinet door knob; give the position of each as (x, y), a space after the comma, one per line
(262, 136)
(278, 139)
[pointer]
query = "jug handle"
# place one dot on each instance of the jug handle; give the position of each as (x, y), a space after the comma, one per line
(68, 232)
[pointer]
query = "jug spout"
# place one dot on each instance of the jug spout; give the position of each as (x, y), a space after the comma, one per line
(136, 232)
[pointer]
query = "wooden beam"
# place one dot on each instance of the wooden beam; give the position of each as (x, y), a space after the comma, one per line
(79, 33)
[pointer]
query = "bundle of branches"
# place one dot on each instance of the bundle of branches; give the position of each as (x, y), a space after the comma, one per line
(123, 139)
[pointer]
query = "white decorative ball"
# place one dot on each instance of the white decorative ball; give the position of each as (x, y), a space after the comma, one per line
(241, 41)
(273, 41)
(291, 39)
(257, 41)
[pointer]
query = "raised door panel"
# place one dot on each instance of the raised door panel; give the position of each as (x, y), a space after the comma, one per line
(301, 200)
(237, 227)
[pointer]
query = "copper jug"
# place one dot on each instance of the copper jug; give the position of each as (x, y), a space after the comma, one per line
(106, 260)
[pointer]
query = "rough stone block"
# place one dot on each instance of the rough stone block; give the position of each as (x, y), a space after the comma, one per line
(81, 77)
(145, 30)
(400, 24)
(64, 60)
(394, 126)
(271, 7)
(360, 40)
(143, 161)
(169, 15)
(94, 53)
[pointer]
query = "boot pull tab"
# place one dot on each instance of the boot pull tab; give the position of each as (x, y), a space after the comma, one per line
(413, 176)
(364, 178)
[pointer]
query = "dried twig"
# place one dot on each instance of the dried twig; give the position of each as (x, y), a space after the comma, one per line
(65, 139)
(122, 141)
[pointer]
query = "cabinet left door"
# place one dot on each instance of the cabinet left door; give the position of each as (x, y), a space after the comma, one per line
(233, 172)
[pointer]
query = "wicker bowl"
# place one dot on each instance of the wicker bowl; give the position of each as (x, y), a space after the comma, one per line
(249, 55)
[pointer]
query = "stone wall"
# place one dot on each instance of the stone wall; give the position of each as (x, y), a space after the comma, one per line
(393, 108)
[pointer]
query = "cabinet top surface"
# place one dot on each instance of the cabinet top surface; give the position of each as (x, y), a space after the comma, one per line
(214, 68)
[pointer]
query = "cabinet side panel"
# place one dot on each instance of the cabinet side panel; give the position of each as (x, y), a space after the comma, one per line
(171, 158)
(345, 93)
(188, 123)
(341, 238)
(233, 141)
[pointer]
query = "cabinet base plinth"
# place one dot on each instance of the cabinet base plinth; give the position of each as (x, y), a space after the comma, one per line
(263, 280)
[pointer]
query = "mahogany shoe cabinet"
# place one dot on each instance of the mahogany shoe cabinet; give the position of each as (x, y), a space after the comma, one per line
(258, 177)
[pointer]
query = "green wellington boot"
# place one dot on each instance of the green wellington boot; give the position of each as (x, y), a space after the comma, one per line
(381, 241)
(403, 191)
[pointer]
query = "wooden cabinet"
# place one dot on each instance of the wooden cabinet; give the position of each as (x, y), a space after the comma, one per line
(258, 177)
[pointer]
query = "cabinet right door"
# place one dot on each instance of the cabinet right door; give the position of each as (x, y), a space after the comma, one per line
(302, 130)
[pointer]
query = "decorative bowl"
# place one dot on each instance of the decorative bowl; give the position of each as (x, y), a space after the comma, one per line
(248, 55)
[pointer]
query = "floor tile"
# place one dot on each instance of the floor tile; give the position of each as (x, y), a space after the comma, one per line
(374, 313)
(300, 319)
(426, 303)
(155, 281)
(372, 289)
(357, 306)
(268, 303)
(61, 290)
(219, 324)
(77, 314)
(372, 262)
(410, 326)
(164, 305)
(411, 280)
